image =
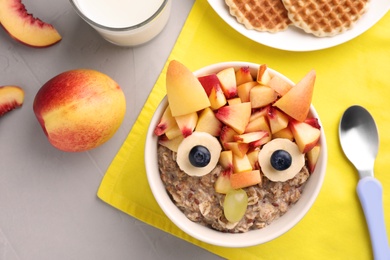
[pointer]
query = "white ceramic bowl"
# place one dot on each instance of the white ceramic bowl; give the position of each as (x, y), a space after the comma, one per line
(208, 235)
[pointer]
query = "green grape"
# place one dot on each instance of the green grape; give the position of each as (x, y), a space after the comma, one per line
(235, 204)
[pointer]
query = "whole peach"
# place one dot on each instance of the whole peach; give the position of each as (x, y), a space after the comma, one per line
(79, 109)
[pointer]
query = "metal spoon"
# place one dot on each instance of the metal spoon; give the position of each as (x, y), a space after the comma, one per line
(359, 140)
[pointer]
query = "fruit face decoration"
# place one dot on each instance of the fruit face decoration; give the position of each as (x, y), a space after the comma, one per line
(253, 126)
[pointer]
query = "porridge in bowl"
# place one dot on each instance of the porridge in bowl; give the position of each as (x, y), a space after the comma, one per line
(236, 147)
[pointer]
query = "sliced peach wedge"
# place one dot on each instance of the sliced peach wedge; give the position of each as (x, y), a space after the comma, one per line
(184, 91)
(11, 97)
(24, 27)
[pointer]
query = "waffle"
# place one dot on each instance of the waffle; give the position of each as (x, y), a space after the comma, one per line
(260, 15)
(325, 17)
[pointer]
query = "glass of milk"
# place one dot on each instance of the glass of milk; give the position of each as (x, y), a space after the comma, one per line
(125, 22)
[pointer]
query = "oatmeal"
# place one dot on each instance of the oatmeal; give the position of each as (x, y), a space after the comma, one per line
(197, 199)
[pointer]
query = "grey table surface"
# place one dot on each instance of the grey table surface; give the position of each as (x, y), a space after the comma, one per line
(48, 203)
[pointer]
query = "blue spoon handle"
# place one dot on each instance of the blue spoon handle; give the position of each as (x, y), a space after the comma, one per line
(369, 191)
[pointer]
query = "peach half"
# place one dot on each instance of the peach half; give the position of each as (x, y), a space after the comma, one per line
(24, 27)
(11, 97)
(79, 110)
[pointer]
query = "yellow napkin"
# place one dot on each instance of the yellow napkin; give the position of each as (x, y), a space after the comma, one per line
(356, 72)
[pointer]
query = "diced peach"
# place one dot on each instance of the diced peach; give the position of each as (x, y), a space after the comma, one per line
(239, 149)
(258, 124)
(227, 135)
(313, 122)
(226, 159)
(173, 132)
(245, 179)
(167, 121)
(241, 164)
(236, 116)
(243, 90)
(284, 133)
(279, 85)
(312, 157)
(261, 96)
(258, 143)
(171, 144)
(277, 119)
(187, 123)
(217, 98)
(243, 75)
(253, 157)
(222, 184)
(207, 122)
(209, 82)
(305, 135)
(227, 78)
(263, 75)
(259, 113)
(234, 101)
(296, 102)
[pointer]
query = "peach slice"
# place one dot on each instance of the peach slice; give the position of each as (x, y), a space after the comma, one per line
(184, 91)
(11, 97)
(236, 116)
(24, 27)
(250, 137)
(296, 102)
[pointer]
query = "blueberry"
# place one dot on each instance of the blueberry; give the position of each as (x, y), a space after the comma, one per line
(199, 156)
(281, 160)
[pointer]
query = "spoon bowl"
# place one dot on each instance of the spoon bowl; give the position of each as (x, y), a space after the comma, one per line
(358, 130)
(359, 140)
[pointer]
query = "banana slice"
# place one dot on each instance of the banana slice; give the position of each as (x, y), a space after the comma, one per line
(280, 159)
(198, 154)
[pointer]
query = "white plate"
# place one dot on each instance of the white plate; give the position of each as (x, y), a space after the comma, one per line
(294, 39)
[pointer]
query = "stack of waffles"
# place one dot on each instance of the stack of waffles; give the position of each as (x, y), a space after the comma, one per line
(321, 18)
